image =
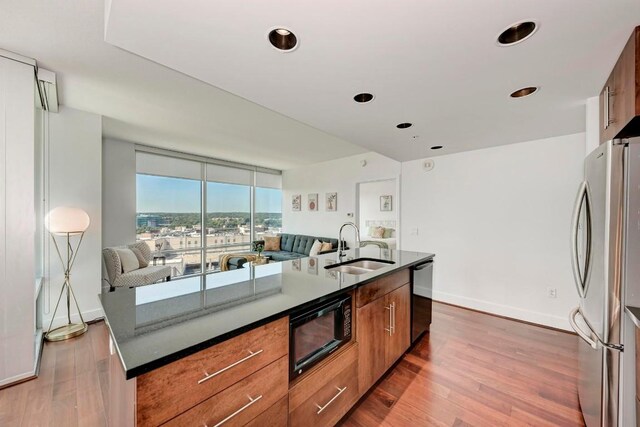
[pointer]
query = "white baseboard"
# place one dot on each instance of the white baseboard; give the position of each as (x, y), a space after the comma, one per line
(61, 319)
(560, 322)
(17, 378)
(36, 363)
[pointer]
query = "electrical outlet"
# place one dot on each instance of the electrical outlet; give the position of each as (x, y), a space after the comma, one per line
(552, 292)
(414, 231)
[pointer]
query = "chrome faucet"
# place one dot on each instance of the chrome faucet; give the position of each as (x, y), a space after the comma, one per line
(355, 227)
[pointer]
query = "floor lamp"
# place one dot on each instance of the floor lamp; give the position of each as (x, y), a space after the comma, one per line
(66, 223)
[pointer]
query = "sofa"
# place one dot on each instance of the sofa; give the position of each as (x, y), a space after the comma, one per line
(292, 246)
(146, 275)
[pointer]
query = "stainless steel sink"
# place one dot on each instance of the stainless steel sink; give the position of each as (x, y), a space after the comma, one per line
(350, 270)
(360, 266)
(369, 265)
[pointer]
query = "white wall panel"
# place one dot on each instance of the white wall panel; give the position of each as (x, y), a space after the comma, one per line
(498, 221)
(17, 221)
(75, 179)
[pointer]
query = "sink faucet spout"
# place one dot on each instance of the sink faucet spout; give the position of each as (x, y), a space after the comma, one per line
(340, 247)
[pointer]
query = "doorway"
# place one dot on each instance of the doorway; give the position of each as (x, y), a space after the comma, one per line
(378, 207)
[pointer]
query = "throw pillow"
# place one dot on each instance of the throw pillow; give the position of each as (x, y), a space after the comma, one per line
(371, 231)
(141, 260)
(378, 233)
(326, 246)
(387, 233)
(272, 243)
(315, 248)
(128, 260)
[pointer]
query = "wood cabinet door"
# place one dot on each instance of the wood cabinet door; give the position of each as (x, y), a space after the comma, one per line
(608, 129)
(622, 106)
(400, 338)
(372, 336)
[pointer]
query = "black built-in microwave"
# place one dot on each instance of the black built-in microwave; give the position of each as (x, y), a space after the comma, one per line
(317, 332)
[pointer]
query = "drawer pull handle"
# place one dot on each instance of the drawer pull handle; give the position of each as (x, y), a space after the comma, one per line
(393, 316)
(391, 328)
(208, 377)
(322, 408)
(251, 402)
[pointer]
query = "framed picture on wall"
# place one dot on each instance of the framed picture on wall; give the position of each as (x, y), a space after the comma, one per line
(313, 202)
(332, 202)
(296, 202)
(385, 203)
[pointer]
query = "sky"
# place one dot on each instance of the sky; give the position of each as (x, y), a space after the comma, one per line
(161, 194)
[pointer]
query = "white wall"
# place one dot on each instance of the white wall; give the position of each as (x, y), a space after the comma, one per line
(339, 176)
(592, 120)
(118, 192)
(17, 222)
(369, 206)
(498, 221)
(75, 179)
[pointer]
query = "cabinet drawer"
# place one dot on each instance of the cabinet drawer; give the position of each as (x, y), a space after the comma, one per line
(168, 391)
(325, 395)
(243, 401)
(374, 290)
(276, 416)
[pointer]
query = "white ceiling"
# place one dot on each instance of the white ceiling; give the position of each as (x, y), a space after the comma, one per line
(145, 102)
(434, 63)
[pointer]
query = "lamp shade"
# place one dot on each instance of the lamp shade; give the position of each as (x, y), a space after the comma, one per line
(63, 220)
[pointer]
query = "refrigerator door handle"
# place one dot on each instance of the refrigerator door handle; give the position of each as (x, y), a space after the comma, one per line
(580, 332)
(587, 338)
(581, 278)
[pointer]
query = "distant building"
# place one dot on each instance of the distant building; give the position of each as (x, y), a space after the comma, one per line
(146, 220)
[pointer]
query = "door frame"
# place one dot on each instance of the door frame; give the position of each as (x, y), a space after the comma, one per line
(397, 204)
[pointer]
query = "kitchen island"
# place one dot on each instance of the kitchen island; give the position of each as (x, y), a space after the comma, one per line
(183, 351)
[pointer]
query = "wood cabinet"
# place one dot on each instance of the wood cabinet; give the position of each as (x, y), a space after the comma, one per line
(381, 287)
(276, 415)
(400, 303)
(245, 380)
(241, 402)
(178, 387)
(620, 96)
(323, 396)
(383, 334)
(372, 336)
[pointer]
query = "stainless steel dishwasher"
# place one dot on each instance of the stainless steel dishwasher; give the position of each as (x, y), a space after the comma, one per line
(421, 298)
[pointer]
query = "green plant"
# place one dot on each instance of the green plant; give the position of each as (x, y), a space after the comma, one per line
(258, 246)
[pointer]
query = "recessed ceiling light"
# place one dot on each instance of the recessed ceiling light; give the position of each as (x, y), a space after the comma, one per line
(517, 33)
(404, 125)
(283, 39)
(436, 147)
(525, 91)
(363, 97)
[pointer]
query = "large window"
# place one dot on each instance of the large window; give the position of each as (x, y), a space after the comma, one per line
(268, 217)
(190, 211)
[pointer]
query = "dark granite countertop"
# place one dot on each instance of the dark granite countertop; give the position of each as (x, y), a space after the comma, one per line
(154, 325)
(634, 315)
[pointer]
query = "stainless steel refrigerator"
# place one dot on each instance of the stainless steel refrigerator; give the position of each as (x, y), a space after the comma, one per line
(605, 235)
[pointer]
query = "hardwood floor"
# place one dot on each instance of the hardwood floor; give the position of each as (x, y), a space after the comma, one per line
(474, 369)
(471, 369)
(72, 388)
